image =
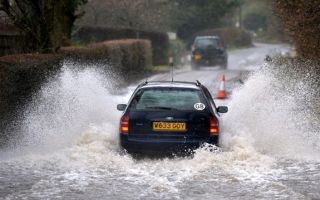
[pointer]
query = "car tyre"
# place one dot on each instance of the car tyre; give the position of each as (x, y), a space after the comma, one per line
(194, 67)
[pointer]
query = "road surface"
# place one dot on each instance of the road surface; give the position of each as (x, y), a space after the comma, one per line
(66, 144)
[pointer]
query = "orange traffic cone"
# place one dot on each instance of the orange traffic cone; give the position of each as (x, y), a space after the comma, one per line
(222, 94)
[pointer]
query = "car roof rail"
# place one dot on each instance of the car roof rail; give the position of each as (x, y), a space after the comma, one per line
(142, 84)
(198, 83)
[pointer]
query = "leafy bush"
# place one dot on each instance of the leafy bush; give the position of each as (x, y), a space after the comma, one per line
(255, 22)
(159, 41)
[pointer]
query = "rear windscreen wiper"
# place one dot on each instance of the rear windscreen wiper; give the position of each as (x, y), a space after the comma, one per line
(161, 108)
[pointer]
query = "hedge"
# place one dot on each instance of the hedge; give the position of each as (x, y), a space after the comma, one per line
(126, 55)
(233, 37)
(159, 41)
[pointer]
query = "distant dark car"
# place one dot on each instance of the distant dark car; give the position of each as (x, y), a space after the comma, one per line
(208, 51)
(169, 117)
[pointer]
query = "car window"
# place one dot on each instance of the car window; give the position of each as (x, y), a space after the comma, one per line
(168, 99)
(206, 42)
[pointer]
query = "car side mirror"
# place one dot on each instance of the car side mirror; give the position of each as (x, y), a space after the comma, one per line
(222, 109)
(121, 107)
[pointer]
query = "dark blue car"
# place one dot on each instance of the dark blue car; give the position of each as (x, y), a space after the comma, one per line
(208, 51)
(169, 117)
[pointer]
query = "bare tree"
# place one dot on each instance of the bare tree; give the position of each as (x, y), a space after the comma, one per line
(45, 23)
(133, 14)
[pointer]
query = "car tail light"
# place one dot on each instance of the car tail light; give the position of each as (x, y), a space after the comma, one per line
(124, 125)
(214, 126)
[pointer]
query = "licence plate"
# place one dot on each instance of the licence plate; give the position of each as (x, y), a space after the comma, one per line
(169, 126)
(197, 57)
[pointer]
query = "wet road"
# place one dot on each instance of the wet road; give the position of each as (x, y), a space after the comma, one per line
(240, 63)
(66, 146)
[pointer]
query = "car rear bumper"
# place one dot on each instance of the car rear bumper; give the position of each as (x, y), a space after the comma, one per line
(159, 145)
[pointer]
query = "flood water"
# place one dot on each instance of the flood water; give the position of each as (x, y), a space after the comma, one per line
(66, 147)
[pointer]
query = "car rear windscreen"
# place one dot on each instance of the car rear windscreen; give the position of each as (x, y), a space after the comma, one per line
(168, 99)
(206, 43)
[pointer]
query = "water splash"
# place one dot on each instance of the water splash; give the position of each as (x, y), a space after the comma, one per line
(273, 115)
(69, 139)
(65, 107)
(264, 117)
